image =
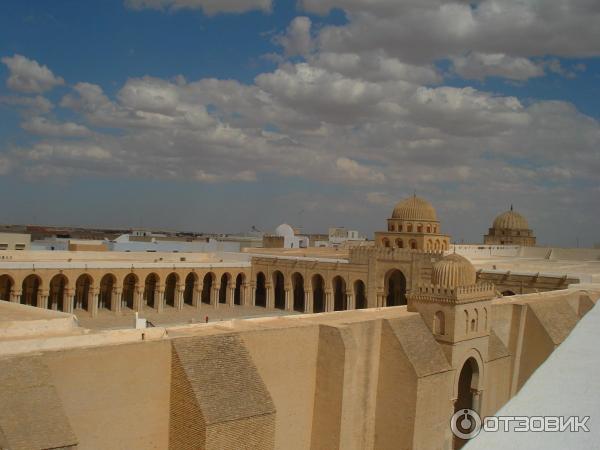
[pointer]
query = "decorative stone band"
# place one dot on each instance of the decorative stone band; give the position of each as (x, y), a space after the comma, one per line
(458, 295)
(363, 254)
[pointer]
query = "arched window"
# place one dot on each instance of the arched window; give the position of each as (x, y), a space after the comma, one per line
(420, 228)
(429, 228)
(399, 243)
(385, 242)
(400, 227)
(439, 323)
(392, 227)
(466, 322)
(409, 227)
(413, 244)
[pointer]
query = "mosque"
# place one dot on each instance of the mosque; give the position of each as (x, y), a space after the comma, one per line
(374, 347)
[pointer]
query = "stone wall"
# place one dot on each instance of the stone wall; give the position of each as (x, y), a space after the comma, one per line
(367, 379)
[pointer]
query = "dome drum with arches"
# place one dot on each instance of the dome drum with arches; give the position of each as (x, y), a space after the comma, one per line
(413, 225)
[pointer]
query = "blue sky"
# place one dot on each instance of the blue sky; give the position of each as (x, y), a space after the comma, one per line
(320, 113)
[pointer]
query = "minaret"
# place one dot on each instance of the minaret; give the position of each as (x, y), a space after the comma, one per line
(454, 306)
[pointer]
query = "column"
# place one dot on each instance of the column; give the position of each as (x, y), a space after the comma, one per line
(116, 299)
(308, 301)
(381, 300)
(69, 301)
(328, 301)
(159, 299)
(350, 301)
(138, 299)
(288, 300)
(15, 296)
(42, 300)
(93, 302)
(215, 297)
(269, 294)
(197, 296)
(248, 299)
(230, 299)
(179, 302)
(476, 399)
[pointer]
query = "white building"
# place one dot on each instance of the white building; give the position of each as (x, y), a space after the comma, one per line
(290, 238)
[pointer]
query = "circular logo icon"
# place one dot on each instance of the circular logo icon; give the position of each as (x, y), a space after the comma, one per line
(465, 424)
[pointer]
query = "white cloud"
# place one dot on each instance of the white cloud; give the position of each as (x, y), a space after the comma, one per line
(210, 7)
(28, 76)
(297, 39)
(481, 65)
(45, 127)
(355, 172)
(30, 105)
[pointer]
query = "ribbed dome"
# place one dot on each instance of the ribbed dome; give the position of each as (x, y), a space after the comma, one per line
(414, 208)
(511, 220)
(453, 271)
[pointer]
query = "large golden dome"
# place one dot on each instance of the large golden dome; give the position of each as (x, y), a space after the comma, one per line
(510, 220)
(453, 271)
(414, 208)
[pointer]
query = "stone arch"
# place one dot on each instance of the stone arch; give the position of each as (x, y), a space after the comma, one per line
(439, 323)
(318, 287)
(385, 242)
(298, 286)
(467, 393)
(445, 246)
(429, 245)
(436, 244)
(207, 286)
(189, 288)
(419, 228)
(360, 296)
(6, 287)
(476, 318)
(278, 290)
(485, 318)
(428, 228)
(260, 293)
(395, 288)
(130, 286)
(57, 292)
(466, 321)
(151, 284)
(224, 286)
(83, 288)
(409, 228)
(399, 243)
(106, 294)
(171, 285)
(340, 298)
(238, 292)
(31, 290)
(413, 244)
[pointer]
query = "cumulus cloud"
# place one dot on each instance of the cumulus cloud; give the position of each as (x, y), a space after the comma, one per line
(481, 65)
(442, 29)
(357, 105)
(45, 127)
(210, 7)
(29, 105)
(28, 76)
(297, 39)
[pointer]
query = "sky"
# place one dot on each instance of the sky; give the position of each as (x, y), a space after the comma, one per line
(220, 115)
